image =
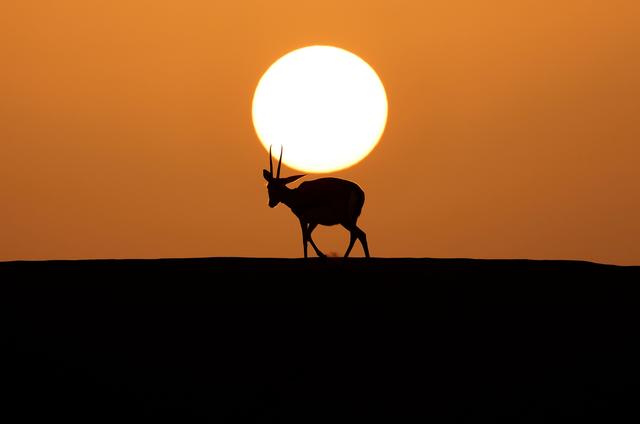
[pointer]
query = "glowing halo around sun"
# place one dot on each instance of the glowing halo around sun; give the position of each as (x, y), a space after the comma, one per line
(325, 105)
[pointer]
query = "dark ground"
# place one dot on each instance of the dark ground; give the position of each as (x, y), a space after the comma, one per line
(274, 340)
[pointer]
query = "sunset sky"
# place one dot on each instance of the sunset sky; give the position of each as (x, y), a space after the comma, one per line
(513, 130)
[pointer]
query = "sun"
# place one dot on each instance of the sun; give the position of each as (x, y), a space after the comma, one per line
(324, 104)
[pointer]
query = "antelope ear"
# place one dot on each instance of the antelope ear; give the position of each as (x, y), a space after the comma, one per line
(267, 175)
(291, 179)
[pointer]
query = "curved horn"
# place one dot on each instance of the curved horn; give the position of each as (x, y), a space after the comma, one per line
(280, 161)
(270, 162)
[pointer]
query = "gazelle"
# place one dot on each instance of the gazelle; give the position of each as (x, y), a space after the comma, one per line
(325, 201)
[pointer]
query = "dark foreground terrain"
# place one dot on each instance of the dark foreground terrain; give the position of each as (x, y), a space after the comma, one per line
(266, 340)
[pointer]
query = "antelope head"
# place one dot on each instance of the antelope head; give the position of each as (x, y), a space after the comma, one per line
(277, 187)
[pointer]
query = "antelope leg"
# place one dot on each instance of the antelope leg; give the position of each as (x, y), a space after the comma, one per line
(318, 252)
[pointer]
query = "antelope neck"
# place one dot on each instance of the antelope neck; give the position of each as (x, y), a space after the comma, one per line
(288, 196)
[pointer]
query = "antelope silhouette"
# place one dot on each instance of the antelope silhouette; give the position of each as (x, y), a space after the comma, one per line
(325, 201)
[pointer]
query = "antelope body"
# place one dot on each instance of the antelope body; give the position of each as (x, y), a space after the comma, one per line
(325, 201)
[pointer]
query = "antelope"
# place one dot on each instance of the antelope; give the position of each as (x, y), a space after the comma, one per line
(325, 201)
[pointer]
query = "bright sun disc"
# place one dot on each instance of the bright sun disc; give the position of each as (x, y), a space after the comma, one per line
(325, 105)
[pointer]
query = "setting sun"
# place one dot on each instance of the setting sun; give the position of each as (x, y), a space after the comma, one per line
(325, 105)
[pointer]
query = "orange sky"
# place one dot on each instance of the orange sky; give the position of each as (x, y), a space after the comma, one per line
(514, 128)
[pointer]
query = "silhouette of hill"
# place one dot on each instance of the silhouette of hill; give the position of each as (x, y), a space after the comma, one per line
(289, 340)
